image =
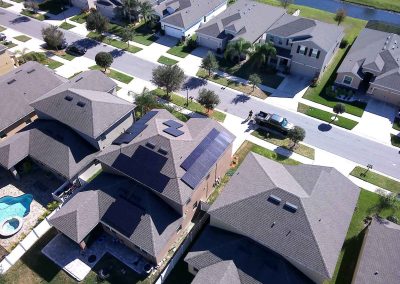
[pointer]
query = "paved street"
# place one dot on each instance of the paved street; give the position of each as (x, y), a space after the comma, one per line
(341, 142)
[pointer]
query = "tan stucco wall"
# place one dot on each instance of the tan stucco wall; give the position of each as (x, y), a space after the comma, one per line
(6, 63)
(384, 94)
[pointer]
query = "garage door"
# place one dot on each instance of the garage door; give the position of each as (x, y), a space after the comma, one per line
(209, 43)
(303, 70)
(173, 31)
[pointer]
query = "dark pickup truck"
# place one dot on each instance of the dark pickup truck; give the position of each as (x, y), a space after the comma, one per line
(274, 121)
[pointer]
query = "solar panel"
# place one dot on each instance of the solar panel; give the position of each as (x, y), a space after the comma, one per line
(129, 134)
(173, 131)
(173, 123)
(204, 156)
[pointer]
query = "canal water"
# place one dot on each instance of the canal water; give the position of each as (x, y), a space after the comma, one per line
(353, 10)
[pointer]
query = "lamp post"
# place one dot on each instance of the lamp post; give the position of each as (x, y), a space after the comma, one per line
(369, 167)
(187, 96)
(63, 9)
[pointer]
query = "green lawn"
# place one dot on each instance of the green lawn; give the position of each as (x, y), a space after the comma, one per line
(285, 143)
(67, 26)
(395, 139)
(9, 45)
(31, 14)
(167, 61)
(52, 64)
(193, 105)
(352, 27)
(390, 5)
(22, 38)
(246, 89)
(180, 50)
(67, 56)
(114, 42)
(18, 1)
(326, 116)
(80, 19)
(2, 28)
(368, 205)
(5, 5)
(114, 74)
(143, 34)
(376, 179)
(396, 124)
(268, 76)
(41, 58)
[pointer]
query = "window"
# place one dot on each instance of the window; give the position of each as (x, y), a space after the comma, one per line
(179, 229)
(347, 80)
(280, 41)
(194, 205)
(287, 42)
(302, 49)
(271, 38)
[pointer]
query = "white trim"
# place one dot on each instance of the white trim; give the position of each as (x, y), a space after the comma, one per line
(344, 78)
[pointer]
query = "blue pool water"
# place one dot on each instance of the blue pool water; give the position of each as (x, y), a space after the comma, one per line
(15, 206)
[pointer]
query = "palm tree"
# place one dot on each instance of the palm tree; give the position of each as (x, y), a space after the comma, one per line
(129, 6)
(145, 101)
(261, 54)
(22, 54)
(127, 34)
(237, 49)
(146, 10)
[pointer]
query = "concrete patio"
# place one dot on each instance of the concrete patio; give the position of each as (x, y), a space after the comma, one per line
(67, 254)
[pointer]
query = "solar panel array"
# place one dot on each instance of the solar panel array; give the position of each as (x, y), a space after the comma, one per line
(172, 128)
(130, 134)
(204, 156)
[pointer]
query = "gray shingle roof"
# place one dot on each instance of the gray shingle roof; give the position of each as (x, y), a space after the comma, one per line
(379, 260)
(160, 172)
(187, 12)
(224, 272)
(20, 87)
(122, 204)
(52, 144)
(253, 263)
(84, 104)
(376, 51)
(314, 234)
(249, 19)
(322, 34)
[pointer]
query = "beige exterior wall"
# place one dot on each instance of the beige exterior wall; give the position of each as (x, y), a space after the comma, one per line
(384, 94)
(355, 83)
(6, 63)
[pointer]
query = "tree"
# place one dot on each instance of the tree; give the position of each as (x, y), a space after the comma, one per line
(97, 22)
(237, 49)
(127, 34)
(31, 5)
(296, 135)
(261, 54)
(104, 59)
(146, 10)
(53, 36)
(254, 79)
(209, 63)
(208, 99)
(339, 108)
(285, 3)
(340, 15)
(168, 77)
(22, 54)
(130, 7)
(387, 200)
(145, 101)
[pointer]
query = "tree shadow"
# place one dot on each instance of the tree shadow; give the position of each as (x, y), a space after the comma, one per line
(117, 52)
(193, 83)
(240, 98)
(87, 43)
(21, 19)
(324, 127)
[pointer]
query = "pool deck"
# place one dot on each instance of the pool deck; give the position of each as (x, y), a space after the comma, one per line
(67, 254)
(40, 186)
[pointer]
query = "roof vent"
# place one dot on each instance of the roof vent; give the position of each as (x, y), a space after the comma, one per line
(30, 71)
(376, 273)
(274, 199)
(290, 207)
(150, 145)
(68, 98)
(77, 80)
(162, 151)
(11, 81)
(80, 104)
(18, 71)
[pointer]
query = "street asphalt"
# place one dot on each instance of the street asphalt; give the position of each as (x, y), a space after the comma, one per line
(333, 139)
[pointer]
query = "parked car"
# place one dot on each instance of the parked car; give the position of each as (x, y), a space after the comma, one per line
(76, 49)
(2, 37)
(274, 121)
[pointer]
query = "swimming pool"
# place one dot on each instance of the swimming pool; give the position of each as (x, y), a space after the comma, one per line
(12, 210)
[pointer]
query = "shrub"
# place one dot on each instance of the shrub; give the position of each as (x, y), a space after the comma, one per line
(393, 219)
(344, 43)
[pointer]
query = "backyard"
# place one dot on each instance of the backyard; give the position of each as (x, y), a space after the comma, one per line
(368, 205)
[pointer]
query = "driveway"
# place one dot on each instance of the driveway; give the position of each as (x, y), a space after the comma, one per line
(338, 141)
